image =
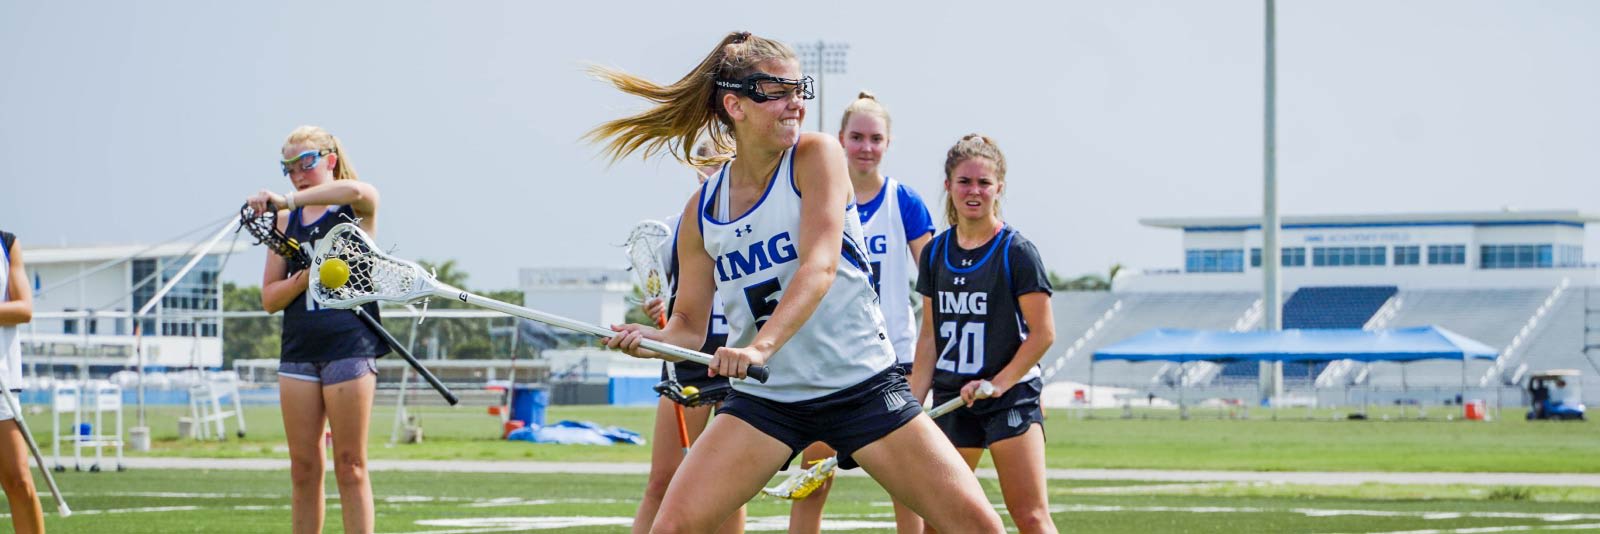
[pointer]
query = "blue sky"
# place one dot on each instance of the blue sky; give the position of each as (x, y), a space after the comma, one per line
(130, 122)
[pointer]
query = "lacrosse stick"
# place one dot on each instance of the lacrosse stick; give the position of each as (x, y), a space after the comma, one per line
(802, 484)
(264, 228)
(644, 259)
(351, 271)
(16, 410)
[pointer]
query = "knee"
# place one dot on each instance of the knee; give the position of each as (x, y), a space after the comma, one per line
(305, 471)
(18, 485)
(656, 488)
(1036, 520)
(350, 466)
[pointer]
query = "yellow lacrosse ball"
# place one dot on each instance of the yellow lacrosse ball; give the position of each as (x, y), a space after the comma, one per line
(690, 391)
(334, 273)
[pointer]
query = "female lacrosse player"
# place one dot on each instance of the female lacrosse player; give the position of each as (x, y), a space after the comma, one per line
(665, 456)
(897, 226)
(327, 374)
(986, 316)
(776, 235)
(16, 307)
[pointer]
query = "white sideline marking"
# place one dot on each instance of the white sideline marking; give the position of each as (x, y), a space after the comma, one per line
(512, 524)
(1513, 528)
(518, 501)
(173, 495)
(1148, 488)
(137, 510)
(1324, 512)
(1150, 475)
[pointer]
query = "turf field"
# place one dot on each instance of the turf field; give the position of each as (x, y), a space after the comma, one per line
(162, 500)
(151, 501)
(1291, 443)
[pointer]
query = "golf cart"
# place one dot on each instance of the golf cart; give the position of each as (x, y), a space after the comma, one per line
(1555, 394)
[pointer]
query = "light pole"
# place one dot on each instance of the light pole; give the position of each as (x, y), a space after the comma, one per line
(1271, 374)
(822, 58)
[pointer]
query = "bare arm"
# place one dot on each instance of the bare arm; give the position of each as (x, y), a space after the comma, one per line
(1041, 334)
(824, 191)
(361, 196)
(691, 309)
(927, 343)
(916, 246)
(18, 309)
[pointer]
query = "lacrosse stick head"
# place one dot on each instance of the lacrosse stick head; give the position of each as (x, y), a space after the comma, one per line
(644, 248)
(264, 228)
(691, 396)
(351, 271)
(806, 482)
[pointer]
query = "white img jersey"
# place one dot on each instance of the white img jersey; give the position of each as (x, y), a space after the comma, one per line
(843, 343)
(10, 343)
(892, 269)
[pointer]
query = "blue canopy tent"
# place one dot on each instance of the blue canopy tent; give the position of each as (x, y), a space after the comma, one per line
(1303, 345)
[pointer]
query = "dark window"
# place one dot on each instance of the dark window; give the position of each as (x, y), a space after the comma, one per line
(1214, 260)
(1447, 254)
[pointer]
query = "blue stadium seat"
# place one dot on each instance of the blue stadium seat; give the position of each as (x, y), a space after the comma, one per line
(1320, 307)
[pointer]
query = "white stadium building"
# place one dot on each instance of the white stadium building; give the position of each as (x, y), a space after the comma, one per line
(85, 299)
(1514, 280)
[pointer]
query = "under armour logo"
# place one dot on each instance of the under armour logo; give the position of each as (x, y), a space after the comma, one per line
(961, 280)
(737, 232)
(315, 230)
(1014, 419)
(894, 401)
(966, 263)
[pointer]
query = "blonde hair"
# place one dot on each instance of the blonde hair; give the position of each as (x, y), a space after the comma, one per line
(972, 146)
(320, 139)
(866, 102)
(688, 108)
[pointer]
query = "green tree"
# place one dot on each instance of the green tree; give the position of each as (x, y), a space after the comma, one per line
(247, 337)
(1086, 282)
(456, 338)
(635, 314)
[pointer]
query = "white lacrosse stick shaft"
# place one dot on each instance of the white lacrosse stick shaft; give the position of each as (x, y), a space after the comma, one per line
(33, 447)
(422, 285)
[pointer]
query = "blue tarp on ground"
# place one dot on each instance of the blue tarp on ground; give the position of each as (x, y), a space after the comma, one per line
(577, 433)
(1310, 345)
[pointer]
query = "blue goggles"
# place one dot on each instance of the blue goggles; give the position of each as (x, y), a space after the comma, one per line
(305, 161)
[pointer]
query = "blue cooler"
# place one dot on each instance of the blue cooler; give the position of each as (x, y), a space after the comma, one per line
(527, 404)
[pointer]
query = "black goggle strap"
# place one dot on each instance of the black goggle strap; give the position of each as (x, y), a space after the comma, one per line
(751, 87)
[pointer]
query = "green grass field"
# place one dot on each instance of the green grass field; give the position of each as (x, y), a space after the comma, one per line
(1288, 444)
(163, 501)
(158, 500)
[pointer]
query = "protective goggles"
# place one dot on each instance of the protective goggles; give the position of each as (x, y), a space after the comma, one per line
(763, 87)
(305, 161)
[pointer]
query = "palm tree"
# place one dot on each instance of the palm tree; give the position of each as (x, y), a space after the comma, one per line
(441, 335)
(1087, 282)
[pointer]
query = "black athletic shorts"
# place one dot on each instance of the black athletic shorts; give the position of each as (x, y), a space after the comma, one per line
(846, 420)
(992, 420)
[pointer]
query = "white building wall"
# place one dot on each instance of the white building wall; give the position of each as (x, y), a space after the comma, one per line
(1405, 277)
(593, 295)
(103, 291)
(1424, 275)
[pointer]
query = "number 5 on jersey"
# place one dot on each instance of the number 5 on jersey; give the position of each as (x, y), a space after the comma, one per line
(763, 300)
